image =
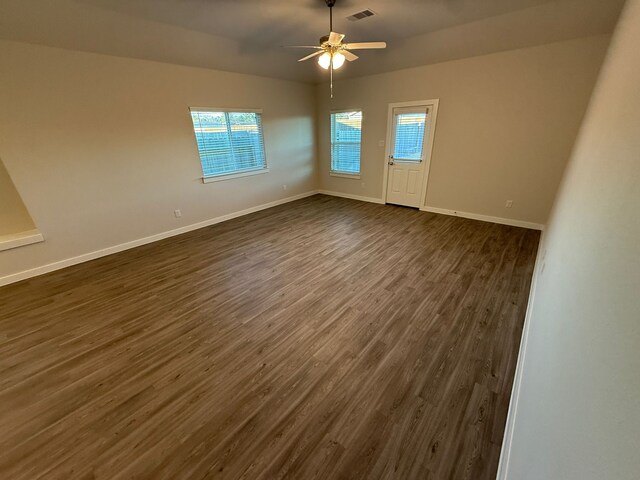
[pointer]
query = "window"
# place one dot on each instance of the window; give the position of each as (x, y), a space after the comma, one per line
(229, 142)
(346, 135)
(409, 133)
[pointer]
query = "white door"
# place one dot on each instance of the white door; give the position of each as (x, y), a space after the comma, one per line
(410, 133)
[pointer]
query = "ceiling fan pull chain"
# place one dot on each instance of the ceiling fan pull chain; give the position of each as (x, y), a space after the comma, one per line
(330, 4)
(331, 76)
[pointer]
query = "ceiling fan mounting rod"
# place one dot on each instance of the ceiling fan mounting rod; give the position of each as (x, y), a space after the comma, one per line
(330, 4)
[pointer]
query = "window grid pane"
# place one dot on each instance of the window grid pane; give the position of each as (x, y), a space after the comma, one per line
(409, 136)
(346, 136)
(229, 142)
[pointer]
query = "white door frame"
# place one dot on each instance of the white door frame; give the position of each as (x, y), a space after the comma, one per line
(433, 104)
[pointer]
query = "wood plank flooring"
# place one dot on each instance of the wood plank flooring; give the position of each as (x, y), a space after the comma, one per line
(321, 339)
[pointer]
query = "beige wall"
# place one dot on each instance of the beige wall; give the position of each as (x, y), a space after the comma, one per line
(102, 152)
(102, 148)
(505, 129)
(576, 415)
(14, 217)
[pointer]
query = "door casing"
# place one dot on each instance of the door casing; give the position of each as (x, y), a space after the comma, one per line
(433, 104)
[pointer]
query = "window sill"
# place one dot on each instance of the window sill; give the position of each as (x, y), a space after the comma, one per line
(354, 176)
(21, 239)
(219, 178)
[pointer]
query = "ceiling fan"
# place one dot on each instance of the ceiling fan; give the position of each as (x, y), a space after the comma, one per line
(332, 52)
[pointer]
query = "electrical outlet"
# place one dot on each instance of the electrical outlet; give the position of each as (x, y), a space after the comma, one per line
(509, 204)
(284, 187)
(177, 213)
(381, 143)
(362, 184)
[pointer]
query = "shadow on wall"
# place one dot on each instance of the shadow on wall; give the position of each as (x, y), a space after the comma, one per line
(14, 217)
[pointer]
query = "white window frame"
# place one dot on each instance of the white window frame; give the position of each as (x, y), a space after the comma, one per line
(338, 173)
(238, 174)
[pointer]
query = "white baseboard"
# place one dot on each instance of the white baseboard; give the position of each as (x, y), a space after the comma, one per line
(16, 277)
(507, 440)
(443, 211)
(352, 197)
(34, 272)
(485, 218)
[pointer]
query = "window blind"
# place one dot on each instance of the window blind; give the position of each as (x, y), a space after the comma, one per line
(228, 142)
(409, 134)
(346, 136)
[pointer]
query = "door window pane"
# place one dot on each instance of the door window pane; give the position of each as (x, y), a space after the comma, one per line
(409, 136)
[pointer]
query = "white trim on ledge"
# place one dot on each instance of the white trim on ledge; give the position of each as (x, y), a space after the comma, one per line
(484, 218)
(34, 272)
(219, 178)
(352, 197)
(228, 110)
(355, 176)
(21, 239)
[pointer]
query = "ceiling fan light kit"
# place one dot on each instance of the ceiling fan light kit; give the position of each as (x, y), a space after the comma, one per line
(324, 60)
(338, 60)
(327, 59)
(332, 53)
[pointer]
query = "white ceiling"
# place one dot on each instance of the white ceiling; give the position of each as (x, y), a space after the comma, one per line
(247, 35)
(273, 21)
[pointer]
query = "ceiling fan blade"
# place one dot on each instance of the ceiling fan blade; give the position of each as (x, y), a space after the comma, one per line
(365, 45)
(349, 56)
(301, 46)
(311, 56)
(335, 38)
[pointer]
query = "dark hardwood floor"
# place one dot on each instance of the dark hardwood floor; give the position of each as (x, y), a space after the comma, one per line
(325, 338)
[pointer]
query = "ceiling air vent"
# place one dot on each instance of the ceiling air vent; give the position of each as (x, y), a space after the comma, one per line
(360, 15)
